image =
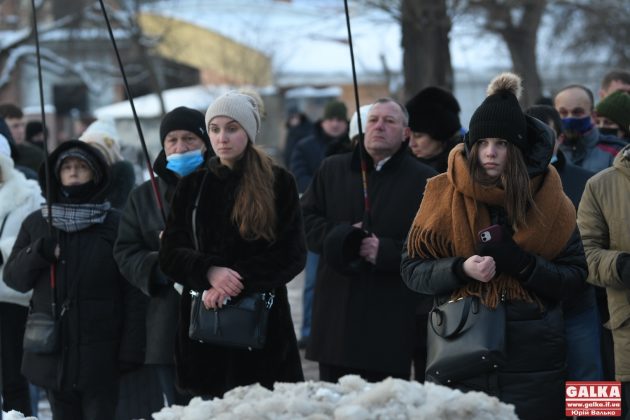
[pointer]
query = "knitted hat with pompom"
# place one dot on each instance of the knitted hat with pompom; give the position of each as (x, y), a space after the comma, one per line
(500, 115)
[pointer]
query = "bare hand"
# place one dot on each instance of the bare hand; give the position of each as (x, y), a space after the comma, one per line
(369, 248)
(480, 268)
(213, 299)
(225, 280)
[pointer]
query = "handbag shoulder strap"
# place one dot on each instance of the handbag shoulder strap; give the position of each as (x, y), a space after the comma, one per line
(194, 211)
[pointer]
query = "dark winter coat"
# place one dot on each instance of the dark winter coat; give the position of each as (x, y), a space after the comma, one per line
(573, 182)
(309, 153)
(6, 132)
(364, 320)
(99, 330)
(439, 162)
(573, 178)
(535, 339)
(136, 252)
(534, 374)
(122, 182)
(294, 135)
(209, 370)
(593, 152)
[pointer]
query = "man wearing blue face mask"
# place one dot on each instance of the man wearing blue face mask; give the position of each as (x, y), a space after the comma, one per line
(583, 144)
(185, 145)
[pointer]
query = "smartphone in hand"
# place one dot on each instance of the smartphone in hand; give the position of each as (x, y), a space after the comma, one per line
(491, 234)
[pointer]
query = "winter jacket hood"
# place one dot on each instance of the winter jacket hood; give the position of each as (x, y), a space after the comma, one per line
(540, 139)
(15, 189)
(55, 186)
(622, 161)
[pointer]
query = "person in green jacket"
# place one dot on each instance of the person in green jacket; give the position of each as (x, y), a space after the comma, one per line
(603, 222)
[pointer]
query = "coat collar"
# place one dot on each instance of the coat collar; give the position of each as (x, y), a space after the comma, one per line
(394, 162)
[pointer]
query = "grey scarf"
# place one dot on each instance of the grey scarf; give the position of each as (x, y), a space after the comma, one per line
(76, 217)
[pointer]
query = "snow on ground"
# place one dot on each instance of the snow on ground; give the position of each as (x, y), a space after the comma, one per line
(351, 398)
(15, 415)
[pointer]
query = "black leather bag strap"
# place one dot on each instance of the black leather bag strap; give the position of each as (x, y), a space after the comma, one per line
(194, 212)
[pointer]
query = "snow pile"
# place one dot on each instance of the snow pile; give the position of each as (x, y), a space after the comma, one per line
(350, 399)
(15, 415)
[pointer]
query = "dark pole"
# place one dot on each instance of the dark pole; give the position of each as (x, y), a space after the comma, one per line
(53, 271)
(366, 198)
(156, 189)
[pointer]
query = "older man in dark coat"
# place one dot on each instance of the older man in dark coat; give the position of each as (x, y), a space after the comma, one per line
(136, 252)
(363, 315)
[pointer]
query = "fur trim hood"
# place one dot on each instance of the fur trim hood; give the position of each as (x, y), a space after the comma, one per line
(14, 187)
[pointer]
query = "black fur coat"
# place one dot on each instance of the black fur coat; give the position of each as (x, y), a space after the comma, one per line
(208, 370)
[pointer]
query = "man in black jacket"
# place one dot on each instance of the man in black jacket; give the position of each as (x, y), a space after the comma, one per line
(582, 321)
(329, 137)
(363, 315)
(183, 134)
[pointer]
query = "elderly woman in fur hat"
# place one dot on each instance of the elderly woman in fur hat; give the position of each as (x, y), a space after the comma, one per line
(435, 127)
(501, 176)
(251, 239)
(70, 268)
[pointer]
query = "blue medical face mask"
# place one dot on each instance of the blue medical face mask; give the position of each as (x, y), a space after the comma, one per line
(580, 125)
(184, 163)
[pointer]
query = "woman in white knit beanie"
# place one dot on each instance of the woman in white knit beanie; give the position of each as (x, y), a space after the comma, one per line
(250, 238)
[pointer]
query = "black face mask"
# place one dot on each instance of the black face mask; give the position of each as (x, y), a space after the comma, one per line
(609, 131)
(78, 193)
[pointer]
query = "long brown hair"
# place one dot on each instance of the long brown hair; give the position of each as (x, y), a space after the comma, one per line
(514, 180)
(254, 207)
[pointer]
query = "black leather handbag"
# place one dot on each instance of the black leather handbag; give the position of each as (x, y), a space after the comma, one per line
(464, 339)
(240, 323)
(42, 333)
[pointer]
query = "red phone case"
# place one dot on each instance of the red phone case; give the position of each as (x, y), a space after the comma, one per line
(491, 234)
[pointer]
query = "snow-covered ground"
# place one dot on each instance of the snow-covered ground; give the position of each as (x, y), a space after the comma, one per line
(15, 415)
(351, 398)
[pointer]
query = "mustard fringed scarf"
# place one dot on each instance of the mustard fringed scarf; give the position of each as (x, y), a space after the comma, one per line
(452, 213)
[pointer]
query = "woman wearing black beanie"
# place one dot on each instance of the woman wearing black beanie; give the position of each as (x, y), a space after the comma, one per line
(435, 126)
(532, 259)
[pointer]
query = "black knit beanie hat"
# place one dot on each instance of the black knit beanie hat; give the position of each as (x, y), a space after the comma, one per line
(500, 114)
(434, 111)
(183, 118)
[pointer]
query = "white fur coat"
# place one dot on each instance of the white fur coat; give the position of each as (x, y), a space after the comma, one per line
(19, 197)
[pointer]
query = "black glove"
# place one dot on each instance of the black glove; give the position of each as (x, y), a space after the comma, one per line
(1, 259)
(47, 247)
(509, 258)
(623, 267)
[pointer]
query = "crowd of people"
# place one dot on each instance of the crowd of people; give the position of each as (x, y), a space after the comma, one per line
(384, 223)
